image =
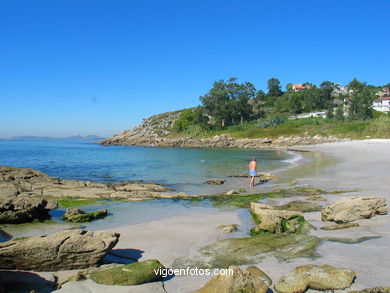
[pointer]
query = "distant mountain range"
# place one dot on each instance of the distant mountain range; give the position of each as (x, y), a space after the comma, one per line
(76, 137)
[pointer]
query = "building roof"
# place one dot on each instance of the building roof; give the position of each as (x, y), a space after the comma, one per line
(384, 98)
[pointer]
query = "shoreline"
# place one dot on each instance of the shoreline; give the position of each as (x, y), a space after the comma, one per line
(332, 165)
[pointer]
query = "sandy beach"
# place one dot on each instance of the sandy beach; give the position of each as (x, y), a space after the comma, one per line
(362, 166)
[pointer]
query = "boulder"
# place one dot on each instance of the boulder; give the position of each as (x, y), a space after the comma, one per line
(65, 250)
(340, 226)
(215, 181)
(353, 208)
(131, 274)
(269, 219)
(228, 228)
(255, 271)
(317, 277)
(239, 281)
(23, 210)
(80, 216)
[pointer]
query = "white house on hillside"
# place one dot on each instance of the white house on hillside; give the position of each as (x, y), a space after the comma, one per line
(382, 104)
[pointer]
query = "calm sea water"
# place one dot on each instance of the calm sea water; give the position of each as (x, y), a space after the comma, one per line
(181, 169)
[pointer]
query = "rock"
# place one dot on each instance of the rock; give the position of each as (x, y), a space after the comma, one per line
(23, 210)
(258, 273)
(315, 277)
(215, 181)
(231, 192)
(353, 208)
(316, 198)
(27, 183)
(269, 219)
(250, 250)
(65, 250)
(132, 274)
(380, 289)
(239, 281)
(340, 226)
(300, 206)
(228, 228)
(80, 216)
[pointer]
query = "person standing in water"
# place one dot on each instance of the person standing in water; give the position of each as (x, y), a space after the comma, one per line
(252, 172)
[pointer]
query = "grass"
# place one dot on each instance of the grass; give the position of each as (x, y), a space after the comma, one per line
(378, 127)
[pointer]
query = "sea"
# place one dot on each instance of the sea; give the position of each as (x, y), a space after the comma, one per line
(180, 169)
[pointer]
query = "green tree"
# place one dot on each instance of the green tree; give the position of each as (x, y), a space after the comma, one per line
(340, 112)
(289, 87)
(274, 88)
(361, 104)
(216, 102)
(356, 85)
(329, 112)
(295, 103)
(326, 99)
(229, 102)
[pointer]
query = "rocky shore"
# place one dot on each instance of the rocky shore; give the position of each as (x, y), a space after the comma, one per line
(157, 131)
(16, 183)
(218, 141)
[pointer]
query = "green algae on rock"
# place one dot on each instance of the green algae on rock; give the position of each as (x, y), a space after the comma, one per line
(79, 216)
(249, 250)
(270, 219)
(131, 274)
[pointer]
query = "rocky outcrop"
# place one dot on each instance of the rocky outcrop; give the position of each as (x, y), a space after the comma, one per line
(132, 274)
(71, 249)
(239, 281)
(22, 183)
(133, 137)
(80, 216)
(23, 210)
(269, 219)
(315, 277)
(353, 208)
(215, 181)
(250, 250)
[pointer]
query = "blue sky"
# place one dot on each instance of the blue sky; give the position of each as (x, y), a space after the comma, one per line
(98, 67)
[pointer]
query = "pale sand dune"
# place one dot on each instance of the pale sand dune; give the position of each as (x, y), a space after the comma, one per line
(361, 165)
